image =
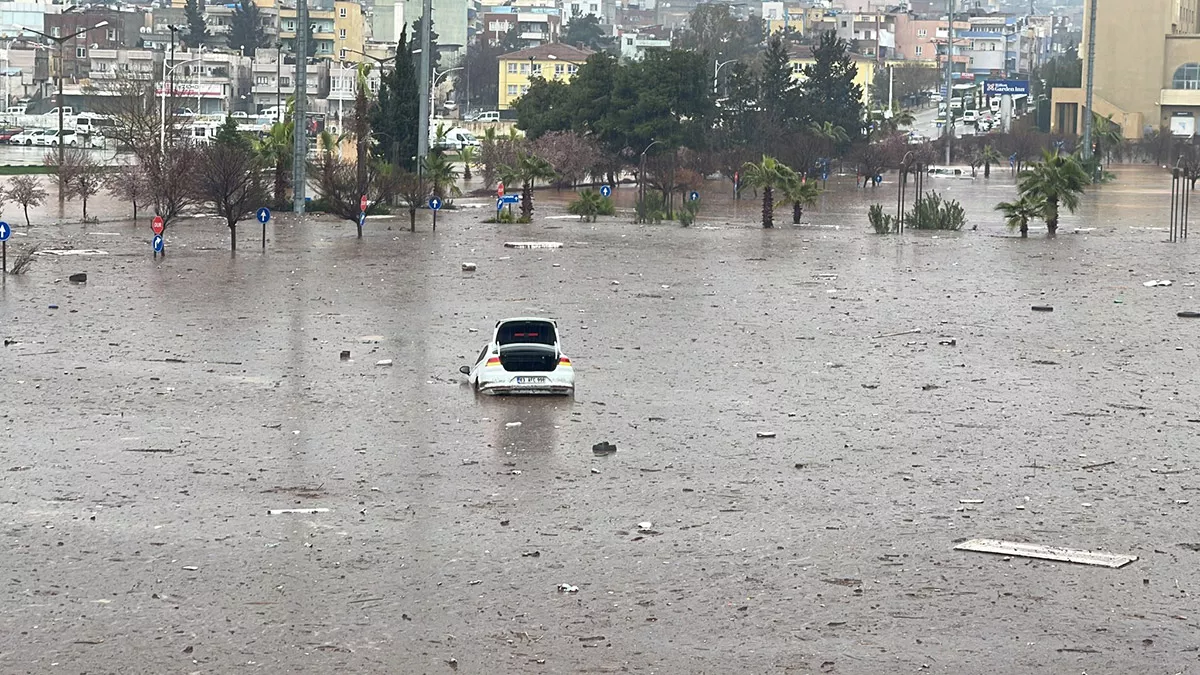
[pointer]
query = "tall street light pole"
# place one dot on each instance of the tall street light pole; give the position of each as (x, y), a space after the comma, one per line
(299, 125)
(423, 84)
(162, 109)
(60, 41)
(949, 77)
(717, 66)
(1091, 70)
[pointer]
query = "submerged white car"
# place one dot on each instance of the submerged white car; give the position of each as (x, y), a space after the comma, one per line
(524, 357)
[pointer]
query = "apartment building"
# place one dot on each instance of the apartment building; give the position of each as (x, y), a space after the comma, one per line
(534, 25)
(338, 30)
(1147, 69)
(554, 61)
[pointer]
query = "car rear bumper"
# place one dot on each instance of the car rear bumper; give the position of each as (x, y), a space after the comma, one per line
(559, 382)
(509, 389)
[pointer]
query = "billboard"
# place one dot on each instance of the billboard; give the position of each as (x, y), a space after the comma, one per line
(1006, 88)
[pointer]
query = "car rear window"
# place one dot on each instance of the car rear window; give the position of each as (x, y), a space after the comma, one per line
(526, 332)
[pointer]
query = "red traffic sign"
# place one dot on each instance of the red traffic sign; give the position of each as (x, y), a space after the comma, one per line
(156, 225)
(499, 189)
(362, 203)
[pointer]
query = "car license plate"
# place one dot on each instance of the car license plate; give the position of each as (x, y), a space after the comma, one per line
(530, 380)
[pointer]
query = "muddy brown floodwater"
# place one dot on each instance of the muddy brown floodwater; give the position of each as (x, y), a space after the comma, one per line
(149, 423)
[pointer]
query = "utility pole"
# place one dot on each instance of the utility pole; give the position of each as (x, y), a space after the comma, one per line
(1091, 71)
(949, 79)
(423, 84)
(300, 128)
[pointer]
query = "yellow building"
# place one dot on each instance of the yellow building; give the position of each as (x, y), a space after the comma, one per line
(1147, 73)
(339, 32)
(552, 61)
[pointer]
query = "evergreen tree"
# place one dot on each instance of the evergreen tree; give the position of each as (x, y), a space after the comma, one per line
(228, 135)
(585, 32)
(778, 94)
(197, 30)
(395, 114)
(245, 28)
(435, 58)
(828, 91)
(311, 43)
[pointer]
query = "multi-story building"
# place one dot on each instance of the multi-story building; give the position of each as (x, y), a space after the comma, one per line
(15, 15)
(273, 79)
(634, 43)
(1147, 69)
(554, 61)
(387, 20)
(868, 34)
(337, 30)
(450, 22)
(993, 45)
(923, 39)
(605, 10)
(799, 57)
(122, 31)
(534, 25)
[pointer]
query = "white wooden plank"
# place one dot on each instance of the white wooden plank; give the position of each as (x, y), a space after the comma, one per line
(279, 512)
(1046, 552)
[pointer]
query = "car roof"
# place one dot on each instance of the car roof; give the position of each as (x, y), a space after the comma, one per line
(527, 318)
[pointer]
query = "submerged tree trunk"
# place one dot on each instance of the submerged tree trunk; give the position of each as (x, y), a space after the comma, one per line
(233, 236)
(1052, 220)
(412, 219)
(797, 213)
(987, 169)
(280, 184)
(768, 211)
(527, 202)
(1025, 229)
(27, 214)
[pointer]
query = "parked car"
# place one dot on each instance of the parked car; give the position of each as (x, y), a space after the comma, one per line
(26, 137)
(489, 116)
(524, 357)
(53, 138)
(7, 134)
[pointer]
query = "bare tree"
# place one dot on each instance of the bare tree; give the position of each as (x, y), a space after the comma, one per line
(27, 191)
(171, 177)
(414, 189)
(572, 155)
(133, 107)
(338, 186)
(88, 179)
(128, 183)
(230, 178)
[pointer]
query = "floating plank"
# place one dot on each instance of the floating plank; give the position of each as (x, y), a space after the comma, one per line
(1046, 552)
(533, 244)
(278, 512)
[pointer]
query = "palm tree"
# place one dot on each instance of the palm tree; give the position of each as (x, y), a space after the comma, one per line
(800, 192)
(1106, 136)
(769, 174)
(1057, 180)
(527, 171)
(990, 156)
(829, 132)
(588, 206)
(1018, 214)
(441, 175)
(468, 157)
(276, 150)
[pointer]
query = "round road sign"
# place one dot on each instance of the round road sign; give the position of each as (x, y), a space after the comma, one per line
(694, 195)
(264, 215)
(435, 203)
(499, 189)
(156, 225)
(5, 231)
(605, 190)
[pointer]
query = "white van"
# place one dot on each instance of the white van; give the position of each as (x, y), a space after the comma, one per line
(455, 139)
(489, 116)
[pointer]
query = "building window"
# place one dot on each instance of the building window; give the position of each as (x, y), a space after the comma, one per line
(260, 79)
(342, 55)
(341, 33)
(512, 68)
(537, 70)
(342, 12)
(919, 50)
(111, 34)
(572, 68)
(56, 31)
(1187, 76)
(80, 53)
(284, 82)
(524, 68)
(922, 32)
(512, 90)
(845, 24)
(558, 69)
(291, 25)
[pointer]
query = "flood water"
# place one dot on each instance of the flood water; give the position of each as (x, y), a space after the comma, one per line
(152, 417)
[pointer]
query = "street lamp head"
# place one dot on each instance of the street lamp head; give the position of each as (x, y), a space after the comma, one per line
(102, 24)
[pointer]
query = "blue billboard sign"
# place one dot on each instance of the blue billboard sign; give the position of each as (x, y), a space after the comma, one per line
(1006, 88)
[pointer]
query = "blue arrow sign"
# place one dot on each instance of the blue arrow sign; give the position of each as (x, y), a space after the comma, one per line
(510, 199)
(264, 214)
(605, 190)
(694, 195)
(5, 231)
(362, 218)
(158, 243)
(435, 203)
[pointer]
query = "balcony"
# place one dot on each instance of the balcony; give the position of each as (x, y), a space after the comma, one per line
(1179, 97)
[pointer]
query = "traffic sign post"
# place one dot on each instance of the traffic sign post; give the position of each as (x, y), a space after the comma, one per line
(5, 233)
(436, 205)
(362, 204)
(362, 220)
(264, 214)
(157, 226)
(694, 196)
(605, 191)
